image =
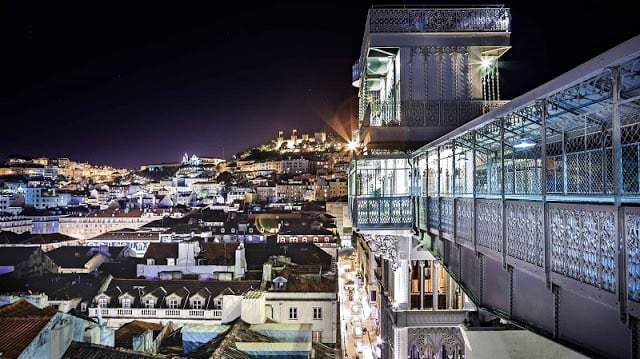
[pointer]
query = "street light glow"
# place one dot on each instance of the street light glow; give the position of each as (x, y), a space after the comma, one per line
(353, 145)
(486, 63)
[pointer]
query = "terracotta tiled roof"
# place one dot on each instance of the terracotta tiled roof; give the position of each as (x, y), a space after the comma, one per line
(218, 253)
(20, 323)
(79, 350)
(125, 334)
(161, 251)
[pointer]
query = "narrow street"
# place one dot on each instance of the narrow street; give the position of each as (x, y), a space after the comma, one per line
(358, 330)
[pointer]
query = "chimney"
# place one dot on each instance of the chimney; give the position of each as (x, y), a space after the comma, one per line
(266, 274)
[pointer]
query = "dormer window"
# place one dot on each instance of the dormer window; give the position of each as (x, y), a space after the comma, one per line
(149, 303)
(103, 302)
(151, 261)
(126, 302)
(196, 304)
(171, 261)
(173, 303)
(250, 230)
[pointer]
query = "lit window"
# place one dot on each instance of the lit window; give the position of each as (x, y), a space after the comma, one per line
(317, 313)
(293, 313)
(126, 302)
(103, 302)
(173, 303)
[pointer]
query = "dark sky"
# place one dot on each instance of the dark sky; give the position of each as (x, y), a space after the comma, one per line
(138, 82)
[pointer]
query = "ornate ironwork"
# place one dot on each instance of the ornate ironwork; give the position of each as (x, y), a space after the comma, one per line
(489, 223)
(429, 342)
(525, 239)
(439, 20)
(583, 244)
(384, 246)
(378, 211)
(446, 215)
(464, 219)
(632, 238)
(434, 212)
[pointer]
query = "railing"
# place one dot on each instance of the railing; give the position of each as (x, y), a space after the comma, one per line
(421, 318)
(382, 212)
(415, 113)
(211, 314)
(495, 19)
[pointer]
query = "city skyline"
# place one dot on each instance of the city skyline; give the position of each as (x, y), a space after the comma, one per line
(185, 80)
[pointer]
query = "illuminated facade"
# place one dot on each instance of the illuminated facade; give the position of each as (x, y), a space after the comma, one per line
(528, 206)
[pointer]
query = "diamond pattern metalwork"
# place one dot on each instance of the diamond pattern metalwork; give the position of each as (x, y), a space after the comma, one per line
(525, 239)
(464, 219)
(583, 244)
(489, 224)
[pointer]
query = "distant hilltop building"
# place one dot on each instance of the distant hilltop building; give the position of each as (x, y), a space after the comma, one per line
(193, 161)
(190, 161)
(299, 141)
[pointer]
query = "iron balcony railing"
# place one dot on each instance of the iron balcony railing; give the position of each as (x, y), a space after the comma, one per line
(382, 212)
(418, 113)
(210, 314)
(481, 19)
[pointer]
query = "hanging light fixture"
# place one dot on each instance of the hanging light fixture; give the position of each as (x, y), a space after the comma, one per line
(523, 143)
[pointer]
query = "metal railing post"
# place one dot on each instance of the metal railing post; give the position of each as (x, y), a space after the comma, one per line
(502, 197)
(543, 191)
(616, 138)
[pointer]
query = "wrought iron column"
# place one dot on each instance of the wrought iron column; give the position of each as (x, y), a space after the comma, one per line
(435, 284)
(616, 137)
(473, 192)
(543, 191)
(421, 286)
(502, 197)
(565, 167)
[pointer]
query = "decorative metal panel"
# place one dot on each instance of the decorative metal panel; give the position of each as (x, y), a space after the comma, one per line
(489, 224)
(446, 213)
(583, 244)
(439, 20)
(525, 228)
(632, 238)
(434, 212)
(430, 342)
(380, 211)
(424, 201)
(464, 219)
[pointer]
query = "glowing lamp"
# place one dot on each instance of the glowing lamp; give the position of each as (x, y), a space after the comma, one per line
(523, 144)
(352, 145)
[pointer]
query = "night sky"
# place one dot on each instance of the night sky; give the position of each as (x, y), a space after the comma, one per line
(140, 82)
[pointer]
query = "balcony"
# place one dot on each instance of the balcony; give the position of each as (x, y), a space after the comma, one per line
(419, 121)
(382, 212)
(159, 313)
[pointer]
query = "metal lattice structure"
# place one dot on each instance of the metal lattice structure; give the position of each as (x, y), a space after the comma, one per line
(538, 199)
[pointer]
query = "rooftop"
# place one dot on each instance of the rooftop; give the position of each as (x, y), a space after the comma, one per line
(20, 324)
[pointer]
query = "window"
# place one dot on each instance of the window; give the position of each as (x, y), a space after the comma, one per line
(293, 313)
(173, 303)
(126, 302)
(151, 261)
(196, 304)
(103, 302)
(373, 296)
(317, 313)
(171, 261)
(149, 303)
